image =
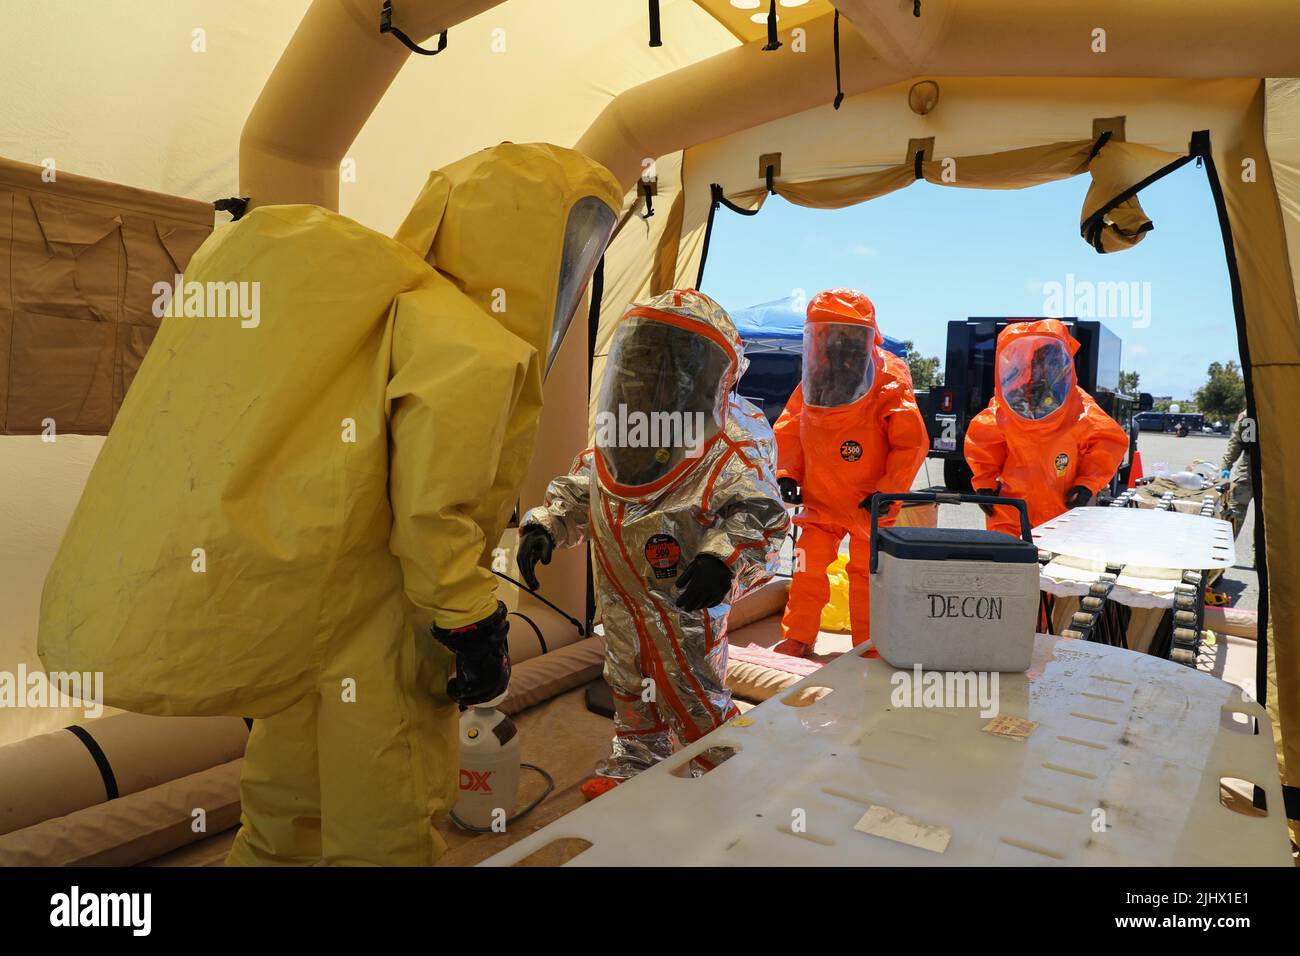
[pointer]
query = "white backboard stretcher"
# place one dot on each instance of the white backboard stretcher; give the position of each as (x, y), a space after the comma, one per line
(1141, 537)
(1122, 769)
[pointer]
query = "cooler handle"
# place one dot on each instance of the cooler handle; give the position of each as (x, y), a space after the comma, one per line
(944, 498)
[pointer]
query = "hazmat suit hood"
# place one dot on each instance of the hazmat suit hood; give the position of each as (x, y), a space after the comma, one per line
(1034, 374)
(663, 396)
(842, 360)
(546, 211)
(1041, 436)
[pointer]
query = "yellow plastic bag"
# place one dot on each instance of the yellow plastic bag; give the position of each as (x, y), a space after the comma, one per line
(835, 615)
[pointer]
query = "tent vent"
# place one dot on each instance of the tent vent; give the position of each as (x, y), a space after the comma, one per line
(772, 42)
(386, 26)
(656, 37)
(839, 86)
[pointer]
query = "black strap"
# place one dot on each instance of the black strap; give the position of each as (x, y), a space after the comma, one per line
(839, 86)
(1102, 140)
(715, 193)
(916, 8)
(770, 176)
(720, 199)
(716, 199)
(235, 205)
(386, 26)
(593, 328)
(582, 632)
(917, 161)
(533, 624)
(656, 37)
(593, 316)
(649, 200)
(772, 42)
(101, 761)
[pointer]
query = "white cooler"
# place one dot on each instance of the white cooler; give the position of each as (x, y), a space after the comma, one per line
(953, 599)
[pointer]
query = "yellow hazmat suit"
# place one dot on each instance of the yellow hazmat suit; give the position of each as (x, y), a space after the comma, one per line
(292, 495)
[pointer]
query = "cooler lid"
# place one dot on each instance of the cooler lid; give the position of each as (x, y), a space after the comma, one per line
(955, 544)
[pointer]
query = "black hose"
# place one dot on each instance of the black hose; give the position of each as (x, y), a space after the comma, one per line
(550, 785)
(582, 631)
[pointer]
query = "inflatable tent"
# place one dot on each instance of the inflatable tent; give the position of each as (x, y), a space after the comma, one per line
(847, 102)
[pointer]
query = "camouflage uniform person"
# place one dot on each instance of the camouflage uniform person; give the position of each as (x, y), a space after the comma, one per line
(1236, 464)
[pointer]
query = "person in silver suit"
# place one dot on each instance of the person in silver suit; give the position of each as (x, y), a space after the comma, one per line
(679, 499)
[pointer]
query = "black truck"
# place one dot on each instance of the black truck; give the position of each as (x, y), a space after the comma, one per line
(969, 383)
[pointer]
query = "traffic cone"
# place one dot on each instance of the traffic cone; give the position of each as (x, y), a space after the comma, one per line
(1135, 471)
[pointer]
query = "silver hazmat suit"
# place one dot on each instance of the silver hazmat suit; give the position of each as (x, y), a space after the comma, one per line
(650, 503)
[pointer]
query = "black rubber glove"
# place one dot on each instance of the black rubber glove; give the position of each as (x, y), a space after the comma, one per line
(988, 509)
(705, 583)
(790, 492)
(535, 544)
(482, 658)
(1077, 497)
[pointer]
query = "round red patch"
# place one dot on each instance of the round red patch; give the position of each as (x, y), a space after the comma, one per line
(663, 552)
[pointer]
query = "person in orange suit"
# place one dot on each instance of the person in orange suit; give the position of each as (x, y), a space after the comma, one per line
(1042, 438)
(850, 429)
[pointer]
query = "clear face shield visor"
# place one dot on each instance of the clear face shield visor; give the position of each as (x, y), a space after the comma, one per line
(839, 364)
(661, 398)
(1036, 375)
(588, 231)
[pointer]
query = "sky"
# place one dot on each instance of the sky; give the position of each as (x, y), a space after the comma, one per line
(928, 254)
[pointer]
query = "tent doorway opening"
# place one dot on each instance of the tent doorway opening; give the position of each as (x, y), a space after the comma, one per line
(945, 266)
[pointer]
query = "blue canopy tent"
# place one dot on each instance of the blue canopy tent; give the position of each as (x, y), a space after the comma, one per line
(773, 336)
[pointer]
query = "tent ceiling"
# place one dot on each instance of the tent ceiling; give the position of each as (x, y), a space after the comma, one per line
(747, 19)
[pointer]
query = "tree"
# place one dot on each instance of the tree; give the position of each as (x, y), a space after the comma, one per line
(1128, 383)
(925, 371)
(1224, 393)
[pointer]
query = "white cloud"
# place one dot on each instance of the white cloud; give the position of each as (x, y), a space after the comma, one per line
(865, 252)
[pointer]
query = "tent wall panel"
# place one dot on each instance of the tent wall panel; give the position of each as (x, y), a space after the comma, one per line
(1282, 139)
(78, 264)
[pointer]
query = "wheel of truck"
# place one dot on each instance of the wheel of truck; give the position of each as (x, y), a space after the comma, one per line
(957, 475)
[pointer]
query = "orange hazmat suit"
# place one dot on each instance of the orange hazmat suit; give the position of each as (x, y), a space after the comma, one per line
(1041, 435)
(849, 430)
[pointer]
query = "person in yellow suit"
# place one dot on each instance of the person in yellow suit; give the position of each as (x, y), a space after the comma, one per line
(292, 517)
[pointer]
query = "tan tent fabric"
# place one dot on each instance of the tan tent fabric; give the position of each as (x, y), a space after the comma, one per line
(1117, 169)
(1278, 378)
(78, 261)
